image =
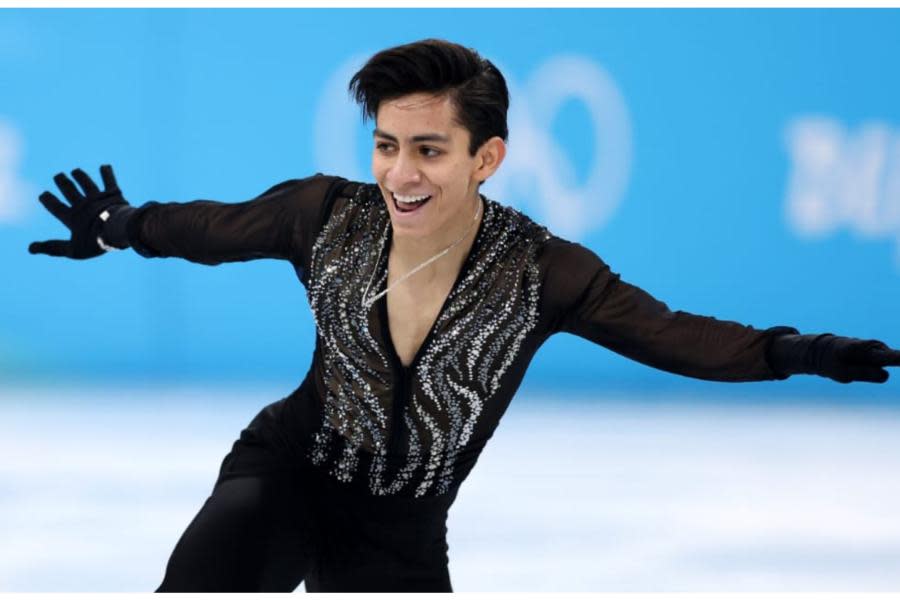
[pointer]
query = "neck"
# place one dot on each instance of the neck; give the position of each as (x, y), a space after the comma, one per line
(409, 252)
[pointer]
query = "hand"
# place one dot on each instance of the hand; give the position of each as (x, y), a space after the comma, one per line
(845, 359)
(84, 217)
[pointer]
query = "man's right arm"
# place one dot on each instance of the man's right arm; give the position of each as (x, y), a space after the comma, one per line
(280, 223)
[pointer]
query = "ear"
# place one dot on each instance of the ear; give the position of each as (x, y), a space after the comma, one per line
(489, 158)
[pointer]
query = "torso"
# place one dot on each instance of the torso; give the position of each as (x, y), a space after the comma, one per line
(412, 309)
(467, 334)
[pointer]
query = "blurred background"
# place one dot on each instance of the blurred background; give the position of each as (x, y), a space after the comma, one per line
(743, 164)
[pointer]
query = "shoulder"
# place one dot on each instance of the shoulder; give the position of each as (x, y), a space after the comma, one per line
(552, 250)
(354, 203)
(318, 186)
(558, 252)
(312, 201)
(566, 271)
(572, 274)
(352, 210)
(507, 224)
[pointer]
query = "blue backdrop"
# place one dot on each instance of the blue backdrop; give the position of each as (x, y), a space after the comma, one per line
(737, 163)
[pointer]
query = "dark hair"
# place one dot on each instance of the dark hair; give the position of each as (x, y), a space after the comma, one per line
(475, 86)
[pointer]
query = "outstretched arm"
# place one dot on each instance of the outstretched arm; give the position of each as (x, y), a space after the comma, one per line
(593, 302)
(280, 223)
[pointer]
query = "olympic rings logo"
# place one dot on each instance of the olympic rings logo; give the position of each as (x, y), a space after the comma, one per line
(538, 175)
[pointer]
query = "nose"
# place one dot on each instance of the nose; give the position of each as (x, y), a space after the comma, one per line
(403, 172)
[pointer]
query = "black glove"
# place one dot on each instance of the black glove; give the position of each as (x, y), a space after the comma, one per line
(86, 217)
(843, 359)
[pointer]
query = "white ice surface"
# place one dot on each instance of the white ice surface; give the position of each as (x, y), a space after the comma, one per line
(616, 494)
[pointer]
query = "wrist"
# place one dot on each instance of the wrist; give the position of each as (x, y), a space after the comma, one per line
(808, 354)
(113, 232)
(775, 350)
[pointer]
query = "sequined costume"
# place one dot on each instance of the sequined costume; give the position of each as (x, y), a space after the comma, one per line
(377, 429)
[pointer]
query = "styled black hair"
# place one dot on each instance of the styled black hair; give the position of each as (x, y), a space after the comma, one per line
(475, 86)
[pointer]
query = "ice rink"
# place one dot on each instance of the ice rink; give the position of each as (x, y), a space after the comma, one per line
(615, 493)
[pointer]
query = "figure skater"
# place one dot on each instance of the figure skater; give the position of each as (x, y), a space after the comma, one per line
(429, 300)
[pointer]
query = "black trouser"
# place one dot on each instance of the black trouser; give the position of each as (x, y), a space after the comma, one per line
(268, 526)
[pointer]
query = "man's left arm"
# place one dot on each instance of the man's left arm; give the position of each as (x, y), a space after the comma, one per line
(593, 302)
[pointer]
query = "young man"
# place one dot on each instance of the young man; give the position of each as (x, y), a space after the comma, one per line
(430, 300)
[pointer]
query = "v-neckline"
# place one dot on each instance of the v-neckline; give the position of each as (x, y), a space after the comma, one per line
(382, 302)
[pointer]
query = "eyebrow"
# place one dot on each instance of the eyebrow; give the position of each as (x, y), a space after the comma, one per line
(425, 137)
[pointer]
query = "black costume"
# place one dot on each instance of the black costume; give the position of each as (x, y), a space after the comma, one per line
(347, 481)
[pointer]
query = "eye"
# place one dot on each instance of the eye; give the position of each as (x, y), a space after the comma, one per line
(383, 146)
(425, 150)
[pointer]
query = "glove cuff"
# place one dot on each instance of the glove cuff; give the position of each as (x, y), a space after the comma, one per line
(133, 230)
(799, 354)
(114, 228)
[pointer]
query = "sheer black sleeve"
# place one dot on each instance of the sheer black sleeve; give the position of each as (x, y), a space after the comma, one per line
(584, 297)
(280, 223)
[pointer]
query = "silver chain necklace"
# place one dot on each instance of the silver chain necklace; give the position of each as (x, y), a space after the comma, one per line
(367, 301)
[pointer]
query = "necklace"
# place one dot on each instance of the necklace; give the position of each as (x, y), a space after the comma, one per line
(367, 301)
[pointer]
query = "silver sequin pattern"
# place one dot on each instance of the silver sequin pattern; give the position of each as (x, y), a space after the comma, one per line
(474, 340)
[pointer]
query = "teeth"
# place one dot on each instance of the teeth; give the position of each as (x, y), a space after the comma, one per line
(409, 199)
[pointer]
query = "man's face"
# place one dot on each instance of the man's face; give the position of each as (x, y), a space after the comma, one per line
(419, 150)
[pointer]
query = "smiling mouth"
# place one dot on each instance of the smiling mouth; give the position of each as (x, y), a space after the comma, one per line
(409, 204)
